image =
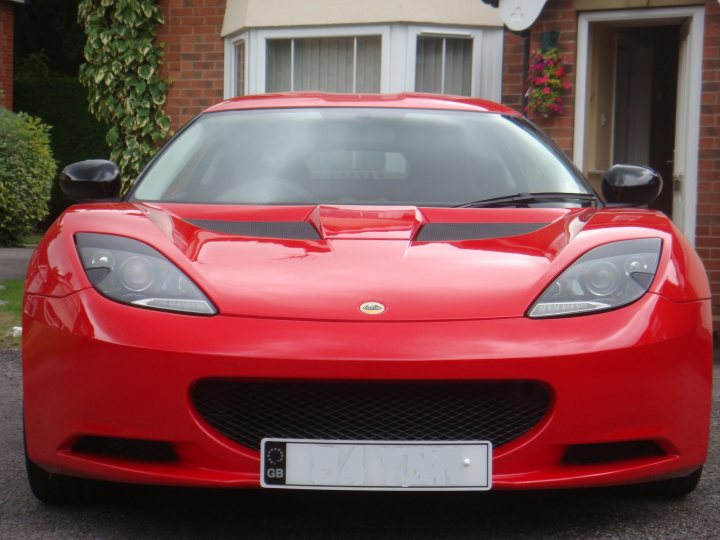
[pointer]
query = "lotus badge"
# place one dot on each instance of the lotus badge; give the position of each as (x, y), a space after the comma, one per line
(372, 308)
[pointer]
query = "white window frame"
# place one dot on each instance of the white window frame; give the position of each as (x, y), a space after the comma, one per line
(397, 60)
(231, 83)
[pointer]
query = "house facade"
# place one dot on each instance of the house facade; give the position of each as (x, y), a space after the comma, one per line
(644, 74)
(217, 49)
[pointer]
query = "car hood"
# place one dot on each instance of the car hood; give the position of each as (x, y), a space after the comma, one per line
(324, 262)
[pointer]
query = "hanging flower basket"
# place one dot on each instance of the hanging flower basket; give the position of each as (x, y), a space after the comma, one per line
(546, 82)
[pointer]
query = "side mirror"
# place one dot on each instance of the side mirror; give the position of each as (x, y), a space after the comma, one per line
(631, 185)
(91, 180)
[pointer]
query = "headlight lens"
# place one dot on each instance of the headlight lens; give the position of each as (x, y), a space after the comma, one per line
(606, 277)
(132, 272)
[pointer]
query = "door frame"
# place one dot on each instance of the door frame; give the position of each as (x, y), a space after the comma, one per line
(693, 87)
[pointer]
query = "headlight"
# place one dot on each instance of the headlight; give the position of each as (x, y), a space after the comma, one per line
(606, 277)
(132, 272)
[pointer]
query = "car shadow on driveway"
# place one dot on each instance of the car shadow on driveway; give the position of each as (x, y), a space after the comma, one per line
(607, 513)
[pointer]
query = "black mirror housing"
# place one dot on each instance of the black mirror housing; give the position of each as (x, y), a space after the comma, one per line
(631, 185)
(91, 180)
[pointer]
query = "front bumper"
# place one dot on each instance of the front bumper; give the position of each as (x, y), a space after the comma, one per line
(93, 367)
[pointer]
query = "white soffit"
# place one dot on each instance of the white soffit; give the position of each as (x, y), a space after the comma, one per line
(244, 14)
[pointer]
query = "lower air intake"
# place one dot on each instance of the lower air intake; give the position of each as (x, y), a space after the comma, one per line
(247, 412)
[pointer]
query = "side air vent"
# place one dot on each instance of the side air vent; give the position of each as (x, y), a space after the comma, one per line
(132, 449)
(588, 454)
(454, 232)
(290, 230)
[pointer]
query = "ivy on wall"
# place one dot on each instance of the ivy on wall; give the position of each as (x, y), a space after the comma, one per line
(121, 74)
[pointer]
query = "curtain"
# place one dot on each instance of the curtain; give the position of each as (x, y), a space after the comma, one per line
(443, 65)
(367, 70)
(458, 66)
(324, 64)
(240, 68)
(278, 65)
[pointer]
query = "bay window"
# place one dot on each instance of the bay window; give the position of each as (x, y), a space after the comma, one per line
(378, 58)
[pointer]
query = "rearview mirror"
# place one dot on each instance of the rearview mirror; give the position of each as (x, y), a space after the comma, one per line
(631, 185)
(91, 180)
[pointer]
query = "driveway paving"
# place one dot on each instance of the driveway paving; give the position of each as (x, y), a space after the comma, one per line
(14, 262)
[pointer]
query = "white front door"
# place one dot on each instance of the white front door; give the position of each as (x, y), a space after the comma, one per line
(685, 158)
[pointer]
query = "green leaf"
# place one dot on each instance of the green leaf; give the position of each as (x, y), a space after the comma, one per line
(145, 71)
(164, 122)
(112, 136)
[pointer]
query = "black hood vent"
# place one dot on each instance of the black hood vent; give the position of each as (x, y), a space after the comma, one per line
(454, 232)
(287, 230)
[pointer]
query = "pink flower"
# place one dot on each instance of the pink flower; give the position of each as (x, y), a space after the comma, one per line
(566, 86)
(546, 90)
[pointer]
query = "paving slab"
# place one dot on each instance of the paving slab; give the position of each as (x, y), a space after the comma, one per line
(14, 262)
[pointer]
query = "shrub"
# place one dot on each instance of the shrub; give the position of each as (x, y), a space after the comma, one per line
(26, 172)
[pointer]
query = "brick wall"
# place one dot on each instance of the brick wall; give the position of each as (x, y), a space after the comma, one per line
(559, 16)
(708, 209)
(6, 54)
(193, 56)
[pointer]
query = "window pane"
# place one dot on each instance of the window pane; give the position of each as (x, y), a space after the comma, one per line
(278, 70)
(367, 70)
(451, 74)
(324, 64)
(428, 64)
(458, 66)
(240, 68)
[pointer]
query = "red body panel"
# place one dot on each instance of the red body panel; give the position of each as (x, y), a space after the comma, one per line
(126, 374)
(396, 101)
(288, 310)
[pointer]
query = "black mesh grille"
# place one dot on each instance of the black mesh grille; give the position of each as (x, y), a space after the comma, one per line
(132, 449)
(491, 411)
(586, 454)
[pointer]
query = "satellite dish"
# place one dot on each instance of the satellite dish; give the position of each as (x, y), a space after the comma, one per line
(519, 15)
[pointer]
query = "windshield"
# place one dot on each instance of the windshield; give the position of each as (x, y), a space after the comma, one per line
(357, 156)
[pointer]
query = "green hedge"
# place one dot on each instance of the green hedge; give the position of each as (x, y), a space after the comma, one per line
(62, 103)
(26, 172)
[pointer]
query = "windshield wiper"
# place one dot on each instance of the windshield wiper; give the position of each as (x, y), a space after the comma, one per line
(527, 198)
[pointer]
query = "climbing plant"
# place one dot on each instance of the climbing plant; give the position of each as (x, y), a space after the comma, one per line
(122, 75)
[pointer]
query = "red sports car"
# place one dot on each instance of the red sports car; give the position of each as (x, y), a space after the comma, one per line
(402, 292)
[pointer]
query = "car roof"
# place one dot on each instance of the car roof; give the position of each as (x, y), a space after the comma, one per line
(389, 101)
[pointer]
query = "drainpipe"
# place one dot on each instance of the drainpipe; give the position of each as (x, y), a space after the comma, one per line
(525, 34)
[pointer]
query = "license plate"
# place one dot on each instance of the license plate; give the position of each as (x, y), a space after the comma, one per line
(370, 465)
